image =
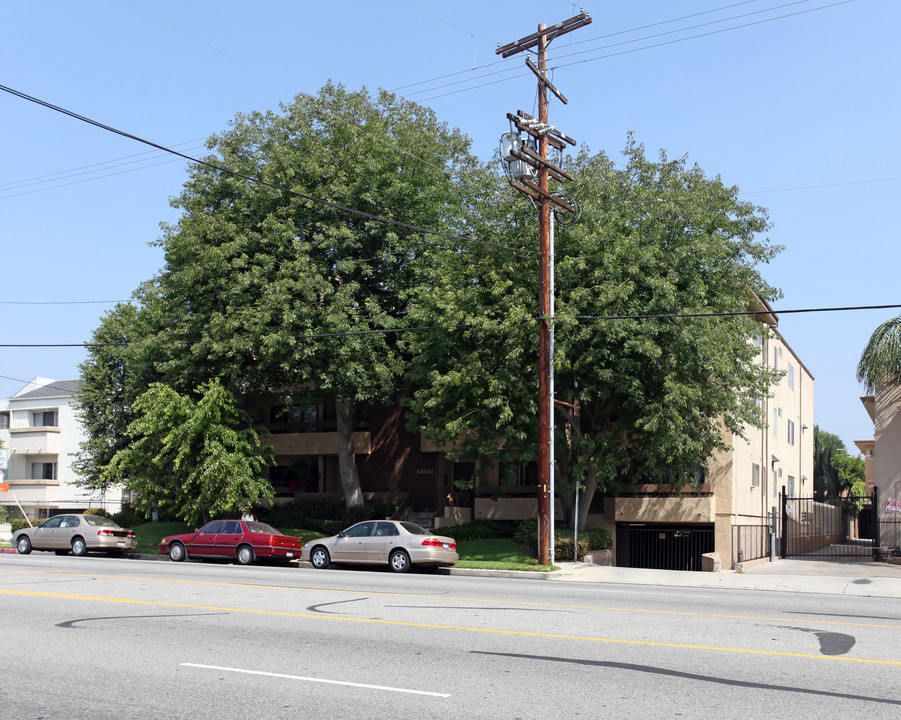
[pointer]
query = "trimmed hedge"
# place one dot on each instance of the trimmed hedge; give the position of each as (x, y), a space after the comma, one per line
(479, 529)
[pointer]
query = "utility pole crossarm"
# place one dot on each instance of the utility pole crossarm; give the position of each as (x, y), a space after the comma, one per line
(561, 28)
(544, 81)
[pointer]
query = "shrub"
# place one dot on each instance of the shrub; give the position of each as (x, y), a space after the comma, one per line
(563, 548)
(97, 511)
(598, 539)
(128, 517)
(17, 524)
(331, 527)
(375, 511)
(288, 515)
(527, 533)
(479, 529)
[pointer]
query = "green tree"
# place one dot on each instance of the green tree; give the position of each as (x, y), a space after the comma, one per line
(654, 394)
(272, 292)
(880, 361)
(191, 457)
(826, 482)
(851, 470)
(105, 396)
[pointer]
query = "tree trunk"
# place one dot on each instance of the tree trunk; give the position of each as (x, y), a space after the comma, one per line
(347, 462)
(587, 495)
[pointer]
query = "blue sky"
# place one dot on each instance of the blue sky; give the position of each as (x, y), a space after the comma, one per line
(796, 103)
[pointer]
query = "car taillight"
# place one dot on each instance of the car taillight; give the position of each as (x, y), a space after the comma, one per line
(435, 542)
(105, 532)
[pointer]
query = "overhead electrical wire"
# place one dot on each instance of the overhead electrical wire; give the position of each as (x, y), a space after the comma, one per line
(629, 51)
(655, 316)
(256, 181)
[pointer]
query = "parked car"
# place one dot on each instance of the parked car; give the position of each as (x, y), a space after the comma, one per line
(398, 544)
(77, 534)
(240, 540)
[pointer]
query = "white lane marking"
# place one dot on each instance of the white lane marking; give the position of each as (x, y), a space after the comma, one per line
(316, 680)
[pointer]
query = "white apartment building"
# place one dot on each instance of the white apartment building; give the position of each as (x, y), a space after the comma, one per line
(40, 436)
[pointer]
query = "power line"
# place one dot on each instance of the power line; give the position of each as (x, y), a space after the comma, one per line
(61, 302)
(665, 316)
(655, 316)
(257, 181)
(639, 49)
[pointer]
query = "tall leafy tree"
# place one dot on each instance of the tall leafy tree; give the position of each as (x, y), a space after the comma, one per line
(286, 292)
(192, 455)
(826, 446)
(105, 396)
(880, 361)
(646, 398)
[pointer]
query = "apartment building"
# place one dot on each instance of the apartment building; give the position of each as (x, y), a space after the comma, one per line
(40, 435)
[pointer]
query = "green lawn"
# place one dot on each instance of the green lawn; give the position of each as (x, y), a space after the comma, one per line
(497, 554)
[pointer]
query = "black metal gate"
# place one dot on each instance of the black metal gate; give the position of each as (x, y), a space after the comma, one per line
(844, 527)
(662, 547)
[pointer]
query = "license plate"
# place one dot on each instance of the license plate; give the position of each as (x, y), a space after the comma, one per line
(290, 554)
(121, 543)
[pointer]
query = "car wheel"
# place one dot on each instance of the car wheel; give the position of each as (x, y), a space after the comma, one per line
(177, 552)
(244, 556)
(78, 546)
(320, 558)
(399, 561)
(23, 545)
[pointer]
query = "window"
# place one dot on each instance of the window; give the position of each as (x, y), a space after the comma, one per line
(775, 421)
(755, 475)
(308, 413)
(777, 356)
(43, 471)
(512, 474)
(4, 421)
(791, 376)
(791, 486)
(791, 433)
(45, 418)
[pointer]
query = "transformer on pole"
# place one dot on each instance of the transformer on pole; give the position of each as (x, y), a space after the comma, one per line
(518, 150)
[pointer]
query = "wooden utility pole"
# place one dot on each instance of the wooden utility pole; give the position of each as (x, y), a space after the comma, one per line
(546, 136)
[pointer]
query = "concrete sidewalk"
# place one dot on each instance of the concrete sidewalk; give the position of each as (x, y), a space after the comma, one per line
(833, 577)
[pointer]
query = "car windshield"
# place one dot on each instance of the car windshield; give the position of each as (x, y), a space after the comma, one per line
(259, 527)
(414, 529)
(99, 520)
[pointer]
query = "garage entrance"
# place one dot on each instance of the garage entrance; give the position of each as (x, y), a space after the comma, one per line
(662, 547)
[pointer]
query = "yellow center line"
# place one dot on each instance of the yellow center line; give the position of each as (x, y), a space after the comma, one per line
(518, 603)
(431, 626)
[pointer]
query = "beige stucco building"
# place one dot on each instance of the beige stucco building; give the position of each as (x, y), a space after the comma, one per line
(883, 455)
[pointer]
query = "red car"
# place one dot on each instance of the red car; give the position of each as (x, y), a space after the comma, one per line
(240, 540)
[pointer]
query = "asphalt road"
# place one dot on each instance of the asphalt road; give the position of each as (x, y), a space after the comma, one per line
(113, 638)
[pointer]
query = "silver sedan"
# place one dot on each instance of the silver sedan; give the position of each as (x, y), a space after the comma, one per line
(398, 544)
(76, 534)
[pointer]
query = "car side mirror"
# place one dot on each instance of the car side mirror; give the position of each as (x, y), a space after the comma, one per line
(340, 533)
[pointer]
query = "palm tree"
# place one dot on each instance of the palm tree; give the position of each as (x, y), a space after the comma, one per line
(880, 362)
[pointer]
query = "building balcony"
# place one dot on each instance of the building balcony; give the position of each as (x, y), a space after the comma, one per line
(317, 443)
(34, 441)
(30, 482)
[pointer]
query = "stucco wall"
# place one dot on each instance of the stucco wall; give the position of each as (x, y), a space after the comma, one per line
(888, 447)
